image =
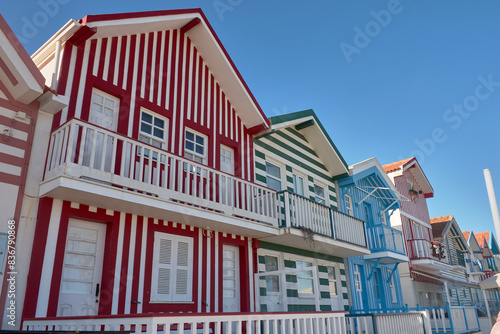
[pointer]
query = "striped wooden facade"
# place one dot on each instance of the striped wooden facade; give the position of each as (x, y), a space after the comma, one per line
(126, 280)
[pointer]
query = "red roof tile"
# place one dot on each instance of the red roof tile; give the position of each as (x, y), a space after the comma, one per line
(482, 238)
(438, 225)
(466, 235)
(395, 165)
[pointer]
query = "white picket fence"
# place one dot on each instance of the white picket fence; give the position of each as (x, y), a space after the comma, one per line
(389, 323)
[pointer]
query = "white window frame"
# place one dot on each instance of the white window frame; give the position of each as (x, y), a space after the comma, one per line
(227, 149)
(194, 154)
(172, 297)
(324, 199)
(392, 287)
(280, 179)
(336, 280)
(114, 99)
(349, 209)
(295, 177)
(311, 278)
(152, 138)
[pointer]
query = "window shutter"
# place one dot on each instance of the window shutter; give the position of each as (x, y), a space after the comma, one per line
(172, 272)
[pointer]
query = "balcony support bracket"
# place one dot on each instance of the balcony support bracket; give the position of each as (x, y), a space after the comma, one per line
(373, 269)
(393, 270)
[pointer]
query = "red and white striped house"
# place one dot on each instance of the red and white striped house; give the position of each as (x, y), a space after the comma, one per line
(26, 108)
(148, 205)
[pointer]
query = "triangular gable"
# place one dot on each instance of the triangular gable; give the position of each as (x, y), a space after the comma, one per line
(472, 241)
(493, 245)
(412, 166)
(370, 178)
(192, 23)
(18, 74)
(443, 225)
(307, 123)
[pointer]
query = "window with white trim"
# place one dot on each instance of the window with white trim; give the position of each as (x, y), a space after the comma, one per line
(319, 194)
(392, 287)
(298, 184)
(195, 146)
(273, 176)
(348, 205)
(305, 279)
(227, 159)
(152, 129)
(104, 109)
(172, 277)
(332, 280)
(272, 281)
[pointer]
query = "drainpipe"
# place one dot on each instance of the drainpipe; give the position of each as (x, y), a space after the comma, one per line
(56, 70)
(493, 202)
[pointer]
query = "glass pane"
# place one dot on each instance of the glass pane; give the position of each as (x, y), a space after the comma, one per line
(146, 128)
(80, 288)
(332, 273)
(80, 260)
(159, 123)
(272, 170)
(189, 146)
(271, 263)
(81, 247)
(108, 112)
(305, 285)
(96, 107)
(147, 118)
(229, 293)
(109, 103)
(272, 283)
(158, 133)
(189, 136)
(228, 264)
(98, 99)
(273, 183)
(228, 283)
(228, 273)
(199, 149)
(82, 233)
(319, 191)
(333, 287)
(228, 254)
(200, 140)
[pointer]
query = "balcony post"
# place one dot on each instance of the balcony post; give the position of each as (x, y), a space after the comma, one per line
(330, 211)
(286, 201)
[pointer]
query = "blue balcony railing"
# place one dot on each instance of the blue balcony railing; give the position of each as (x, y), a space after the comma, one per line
(382, 238)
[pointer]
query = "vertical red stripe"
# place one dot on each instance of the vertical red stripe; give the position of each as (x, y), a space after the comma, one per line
(102, 57)
(112, 59)
(121, 66)
(76, 81)
(214, 269)
(149, 66)
(157, 67)
(178, 81)
(166, 61)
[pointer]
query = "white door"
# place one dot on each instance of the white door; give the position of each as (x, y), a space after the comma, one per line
(227, 159)
(230, 279)
(82, 269)
(104, 110)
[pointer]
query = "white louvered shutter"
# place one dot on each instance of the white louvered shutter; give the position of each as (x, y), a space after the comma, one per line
(172, 272)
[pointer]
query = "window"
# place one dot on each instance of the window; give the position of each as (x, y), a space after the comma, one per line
(384, 218)
(332, 280)
(305, 279)
(319, 194)
(273, 177)
(152, 129)
(195, 146)
(104, 110)
(298, 184)
(172, 277)
(272, 281)
(227, 159)
(392, 287)
(348, 205)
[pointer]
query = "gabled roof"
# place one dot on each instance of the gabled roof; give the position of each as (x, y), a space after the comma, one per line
(370, 178)
(467, 235)
(18, 73)
(414, 168)
(191, 22)
(482, 238)
(444, 224)
(471, 239)
(308, 124)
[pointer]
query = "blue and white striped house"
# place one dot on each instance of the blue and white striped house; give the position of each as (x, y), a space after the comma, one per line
(369, 195)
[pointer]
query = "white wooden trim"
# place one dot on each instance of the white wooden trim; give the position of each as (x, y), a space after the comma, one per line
(130, 269)
(140, 296)
(118, 265)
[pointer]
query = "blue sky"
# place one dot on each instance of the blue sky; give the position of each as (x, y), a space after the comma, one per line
(390, 79)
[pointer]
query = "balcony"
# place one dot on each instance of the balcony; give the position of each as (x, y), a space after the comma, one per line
(424, 254)
(91, 165)
(307, 224)
(386, 244)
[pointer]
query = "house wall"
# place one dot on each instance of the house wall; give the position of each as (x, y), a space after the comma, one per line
(127, 267)
(417, 207)
(163, 72)
(288, 257)
(290, 150)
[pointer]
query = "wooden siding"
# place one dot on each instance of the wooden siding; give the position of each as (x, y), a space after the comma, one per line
(127, 267)
(291, 151)
(417, 207)
(163, 72)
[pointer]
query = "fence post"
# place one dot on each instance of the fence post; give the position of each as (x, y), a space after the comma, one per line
(465, 318)
(450, 317)
(374, 322)
(330, 210)
(286, 204)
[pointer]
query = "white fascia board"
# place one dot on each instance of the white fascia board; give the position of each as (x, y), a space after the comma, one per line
(407, 215)
(49, 47)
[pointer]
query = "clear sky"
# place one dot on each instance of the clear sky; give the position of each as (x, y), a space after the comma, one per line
(388, 79)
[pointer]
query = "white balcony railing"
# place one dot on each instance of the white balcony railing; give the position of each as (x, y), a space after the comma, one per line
(416, 322)
(82, 150)
(289, 322)
(301, 212)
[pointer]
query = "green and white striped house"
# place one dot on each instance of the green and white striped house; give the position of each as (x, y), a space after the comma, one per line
(303, 268)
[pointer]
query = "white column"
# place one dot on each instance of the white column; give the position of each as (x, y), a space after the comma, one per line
(487, 305)
(447, 293)
(493, 202)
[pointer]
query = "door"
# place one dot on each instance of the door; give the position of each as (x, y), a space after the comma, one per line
(104, 110)
(230, 279)
(82, 269)
(226, 166)
(379, 292)
(359, 287)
